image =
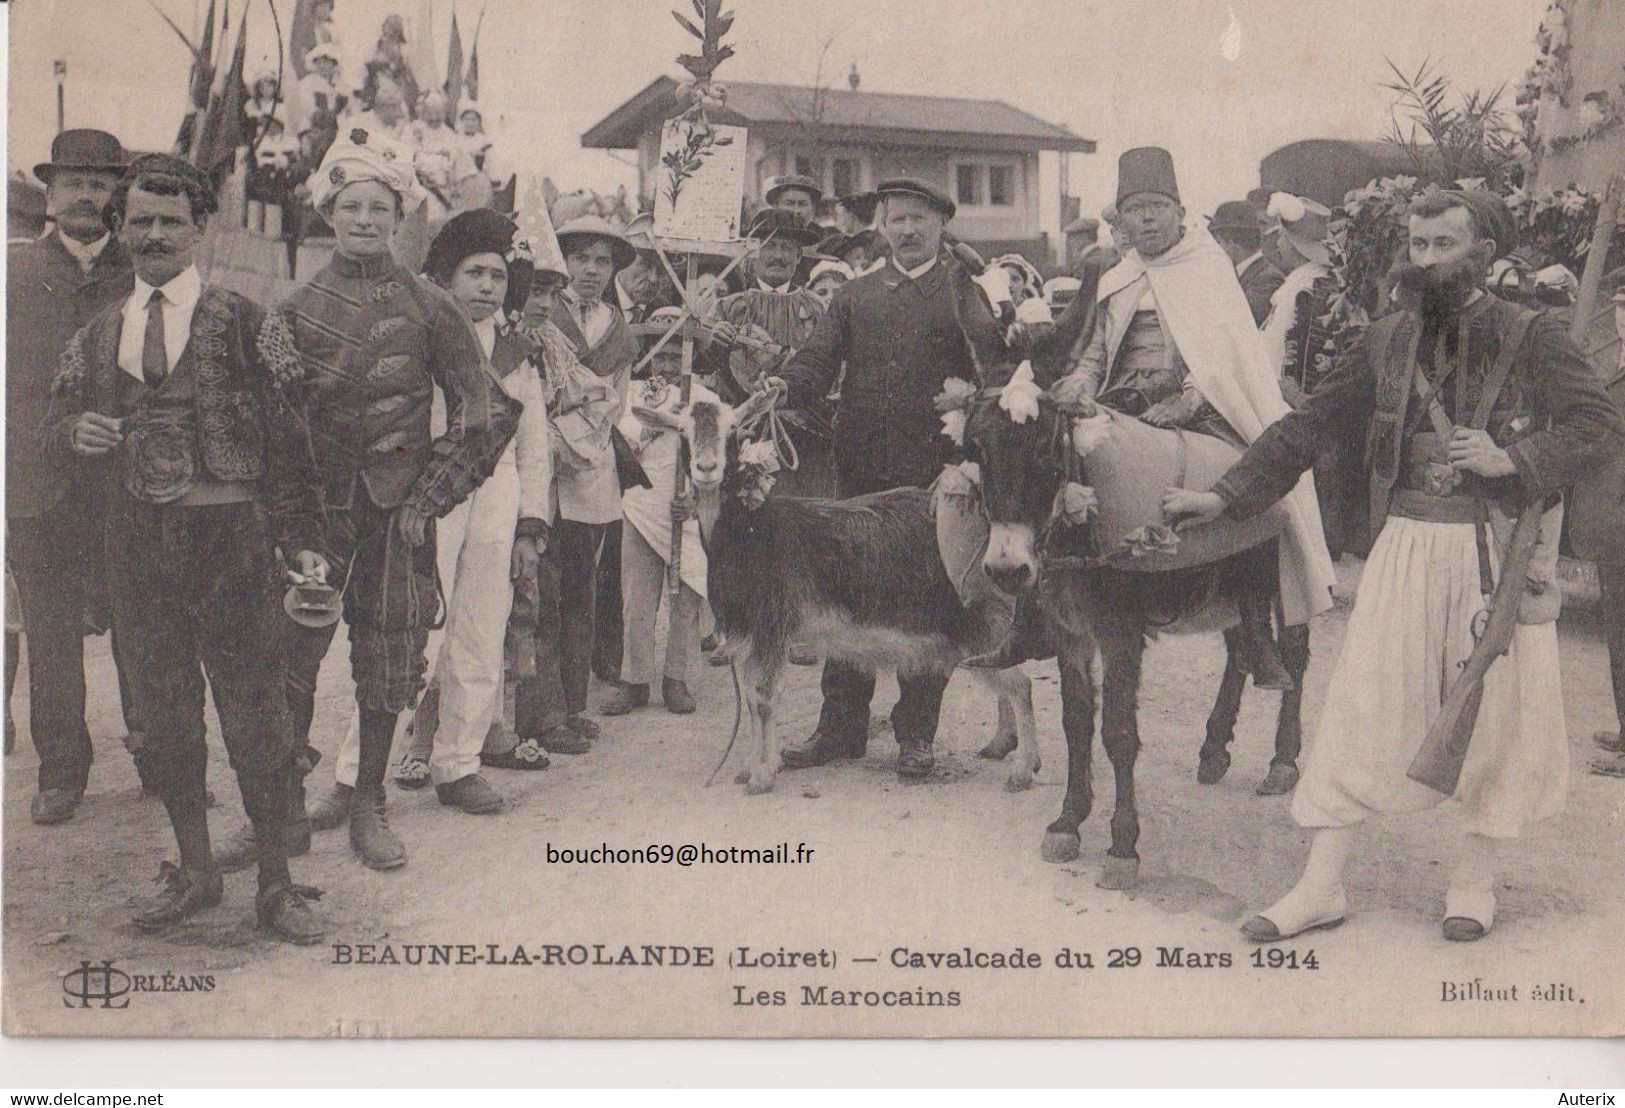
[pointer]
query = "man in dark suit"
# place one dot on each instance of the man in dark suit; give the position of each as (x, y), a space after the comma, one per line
(895, 331)
(56, 284)
(1235, 227)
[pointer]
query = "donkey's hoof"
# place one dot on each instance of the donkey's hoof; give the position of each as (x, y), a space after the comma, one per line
(1279, 781)
(1213, 768)
(742, 777)
(756, 786)
(1019, 781)
(1060, 846)
(999, 746)
(1119, 874)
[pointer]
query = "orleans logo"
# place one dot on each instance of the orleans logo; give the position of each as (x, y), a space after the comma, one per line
(91, 984)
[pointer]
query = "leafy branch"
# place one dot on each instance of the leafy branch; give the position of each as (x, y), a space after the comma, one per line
(1474, 137)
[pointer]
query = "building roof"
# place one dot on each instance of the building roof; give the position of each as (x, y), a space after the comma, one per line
(862, 116)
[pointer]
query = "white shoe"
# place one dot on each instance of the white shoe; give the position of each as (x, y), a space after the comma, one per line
(1469, 912)
(1296, 912)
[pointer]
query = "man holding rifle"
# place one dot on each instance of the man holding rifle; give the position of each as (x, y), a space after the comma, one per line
(1478, 412)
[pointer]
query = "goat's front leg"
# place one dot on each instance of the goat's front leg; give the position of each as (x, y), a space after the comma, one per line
(759, 686)
(1015, 692)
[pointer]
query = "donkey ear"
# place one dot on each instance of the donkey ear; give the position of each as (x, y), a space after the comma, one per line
(652, 417)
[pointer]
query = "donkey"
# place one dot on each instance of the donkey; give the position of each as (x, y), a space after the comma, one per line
(1086, 600)
(859, 580)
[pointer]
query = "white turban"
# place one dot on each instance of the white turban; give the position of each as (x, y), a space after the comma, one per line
(362, 155)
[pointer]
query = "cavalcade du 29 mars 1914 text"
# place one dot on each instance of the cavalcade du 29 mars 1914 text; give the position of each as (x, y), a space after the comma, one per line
(731, 519)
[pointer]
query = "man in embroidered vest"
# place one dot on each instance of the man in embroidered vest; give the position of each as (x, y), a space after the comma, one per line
(165, 399)
(775, 310)
(1472, 403)
(54, 285)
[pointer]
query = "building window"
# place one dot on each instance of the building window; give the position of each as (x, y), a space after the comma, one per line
(968, 184)
(810, 167)
(1001, 185)
(843, 176)
(986, 184)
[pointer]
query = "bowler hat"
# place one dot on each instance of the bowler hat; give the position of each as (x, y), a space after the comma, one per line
(771, 223)
(793, 181)
(1146, 169)
(1235, 215)
(83, 148)
(912, 186)
(587, 227)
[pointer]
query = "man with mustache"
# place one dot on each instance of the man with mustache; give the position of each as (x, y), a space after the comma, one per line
(166, 401)
(895, 331)
(1472, 404)
(55, 285)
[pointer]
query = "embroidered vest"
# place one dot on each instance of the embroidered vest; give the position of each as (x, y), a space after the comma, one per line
(204, 420)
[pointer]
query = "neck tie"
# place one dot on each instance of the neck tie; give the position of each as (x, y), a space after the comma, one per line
(154, 356)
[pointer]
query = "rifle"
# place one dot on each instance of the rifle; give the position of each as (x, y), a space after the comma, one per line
(1438, 764)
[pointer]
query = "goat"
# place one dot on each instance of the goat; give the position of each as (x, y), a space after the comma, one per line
(859, 580)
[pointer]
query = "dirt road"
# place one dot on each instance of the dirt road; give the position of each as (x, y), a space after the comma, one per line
(930, 868)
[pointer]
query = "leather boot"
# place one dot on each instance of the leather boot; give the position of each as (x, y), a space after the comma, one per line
(627, 698)
(186, 892)
(821, 748)
(914, 760)
(281, 910)
(679, 701)
(370, 833)
(332, 810)
(54, 805)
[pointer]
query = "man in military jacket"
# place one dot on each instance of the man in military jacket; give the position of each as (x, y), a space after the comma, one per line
(1473, 404)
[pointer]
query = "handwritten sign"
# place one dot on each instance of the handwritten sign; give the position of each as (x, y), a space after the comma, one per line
(701, 181)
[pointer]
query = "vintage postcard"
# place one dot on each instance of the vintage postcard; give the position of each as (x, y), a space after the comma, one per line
(723, 518)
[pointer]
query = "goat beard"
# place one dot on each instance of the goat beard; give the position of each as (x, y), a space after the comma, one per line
(1438, 292)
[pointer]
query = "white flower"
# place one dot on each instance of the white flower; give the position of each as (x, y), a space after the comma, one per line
(1076, 503)
(959, 480)
(956, 393)
(995, 283)
(1574, 202)
(1034, 310)
(1285, 207)
(760, 455)
(1091, 432)
(953, 425)
(1019, 398)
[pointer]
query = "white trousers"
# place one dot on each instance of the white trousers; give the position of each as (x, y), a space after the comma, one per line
(1410, 630)
(476, 539)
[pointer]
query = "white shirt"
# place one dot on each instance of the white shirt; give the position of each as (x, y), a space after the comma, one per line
(765, 287)
(914, 274)
(85, 253)
(180, 300)
(594, 323)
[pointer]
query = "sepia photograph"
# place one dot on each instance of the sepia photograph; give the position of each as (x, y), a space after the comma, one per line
(738, 519)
